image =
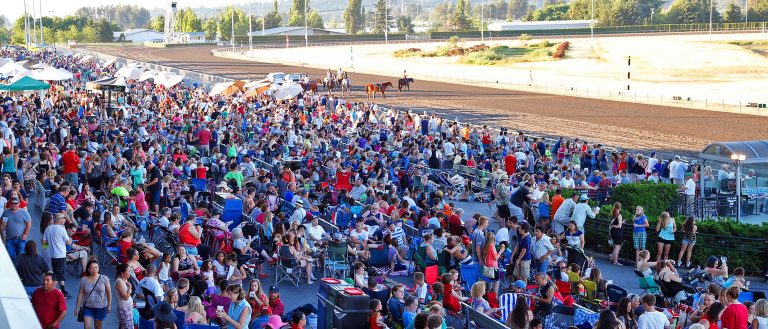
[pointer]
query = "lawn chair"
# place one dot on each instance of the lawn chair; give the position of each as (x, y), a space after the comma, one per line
(561, 317)
(470, 274)
(615, 293)
(649, 286)
(589, 300)
(288, 267)
(379, 261)
(337, 261)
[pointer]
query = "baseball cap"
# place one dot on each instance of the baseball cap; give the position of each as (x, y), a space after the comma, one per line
(14, 200)
(274, 289)
(520, 284)
(584, 197)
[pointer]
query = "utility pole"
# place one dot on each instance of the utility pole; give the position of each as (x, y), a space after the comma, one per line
(746, 11)
(711, 3)
(306, 32)
(482, 21)
(263, 23)
(34, 22)
(40, 9)
(26, 26)
(250, 27)
(386, 22)
(592, 21)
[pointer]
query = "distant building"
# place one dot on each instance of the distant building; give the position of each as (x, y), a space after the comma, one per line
(294, 30)
(539, 25)
(192, 37)
(138, 35)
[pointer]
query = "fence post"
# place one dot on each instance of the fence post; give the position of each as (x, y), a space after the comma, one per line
(705, 103)
(723, 105)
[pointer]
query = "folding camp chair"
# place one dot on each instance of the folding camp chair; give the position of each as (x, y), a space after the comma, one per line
(337, 262)
(470, 274)
(379, 261)
(649, 286)
(561, 317)
(431, 274)
(181, 322)
(288, 267)
(588, 300)
(615, 293)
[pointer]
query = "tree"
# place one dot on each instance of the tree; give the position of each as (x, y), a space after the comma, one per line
(517, 9)
(549, 13)
(460, 21)
(157, 23)
(732, 14)
(225, 23)
(441, 14)
(758, 10)
(404, 24)
(296, 15)
(188, 21)
(314, 20)
(691, 11)
(124, 16)
(273, 18)
(382, 17)
(353, 17)
(210, 26)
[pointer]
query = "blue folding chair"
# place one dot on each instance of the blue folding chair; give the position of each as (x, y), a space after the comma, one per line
(470, 274)
(146, 324)
(746, 296)
(378, 261)
(180, 320)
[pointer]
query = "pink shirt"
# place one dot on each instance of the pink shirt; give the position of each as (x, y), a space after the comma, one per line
(141, 203)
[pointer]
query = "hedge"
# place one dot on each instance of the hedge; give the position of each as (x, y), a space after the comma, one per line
(745, 245)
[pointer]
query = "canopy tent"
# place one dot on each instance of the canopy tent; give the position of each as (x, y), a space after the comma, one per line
(12, 68)
(24, 84)
(108, 63)
(227, 88)
(52, 74)
(130, 73)
(86, 58)
(168, 79)
(148, 74)
(739, 153)
(5, 60)
(40, 65)
(288, 91)
(107, 84)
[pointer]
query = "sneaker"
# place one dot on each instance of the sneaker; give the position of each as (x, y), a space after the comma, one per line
(67, 295)
(688, 265)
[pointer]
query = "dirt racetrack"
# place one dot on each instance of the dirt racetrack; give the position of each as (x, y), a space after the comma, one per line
(619, 124)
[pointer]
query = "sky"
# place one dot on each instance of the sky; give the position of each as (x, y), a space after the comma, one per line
(13, 9)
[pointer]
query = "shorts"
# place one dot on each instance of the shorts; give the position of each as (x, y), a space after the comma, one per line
(522, 269)
(76, 255)
(503, 211)
(154, 197)
(98, 314)
(639, 239)
(691, 242)
(58, 265)
(665, 241)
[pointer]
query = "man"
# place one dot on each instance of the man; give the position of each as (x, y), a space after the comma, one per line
(478, 238)
(502, 198)
(299, 214)
(154, 185)
(275, 303)
(49, 303)
(689, 189)
(358, 190)
(581, 211)
(411, 307)
(651, 319)
(544, 296)
(536, 195)
(248, 168)
(83, 216)
(508, 233)
(57, 239)
(16, 224)
(567, 181)
(58, 203)
(455, 225)
(204, 137)
(542, 249)
(521, 198)
(71, 163)
(316, 233)
(677, 170)
(522, 253)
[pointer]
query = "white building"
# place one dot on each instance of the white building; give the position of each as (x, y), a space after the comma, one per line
(192, 37)
(539, 25)
(138, 35)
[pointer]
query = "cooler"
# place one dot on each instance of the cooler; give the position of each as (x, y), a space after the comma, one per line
(341, 306)
(231, 208)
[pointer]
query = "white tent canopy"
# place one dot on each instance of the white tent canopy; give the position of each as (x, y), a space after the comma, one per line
(86, 58)
(40, 65)
(130, 73)
(12, 68)
(148, 74)
(219, 88)
(168, 79)
(288, 91)
(51, 74)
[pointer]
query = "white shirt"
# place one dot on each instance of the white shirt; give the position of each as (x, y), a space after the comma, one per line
(502, 235)
(652, 320)
(315, 232)
(448, 149)
(57, 237)
(153, 285)
(690, 187)
(567, 182)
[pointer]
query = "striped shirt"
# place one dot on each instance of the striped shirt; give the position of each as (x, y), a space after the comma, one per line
(57, 204)
(398, 234)
(506, 305)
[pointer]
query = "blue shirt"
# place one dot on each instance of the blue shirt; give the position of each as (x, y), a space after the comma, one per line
(57, 204)
(640, 221)
(408, 318)
(525, 242)
(236, 309)
(396, 308)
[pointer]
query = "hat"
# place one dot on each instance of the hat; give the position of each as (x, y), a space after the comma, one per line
(584, 197)
(164, 312)
(274, 289)
(274, 322)
(147, 163)
(504, 176)
(14, 200)
(520, 284)
(300, 205)
(223, 184)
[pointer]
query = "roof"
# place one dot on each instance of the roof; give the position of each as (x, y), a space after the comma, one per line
(194, 34)
(25, 83)
(754, 151)
(131, 32)
(285, 29)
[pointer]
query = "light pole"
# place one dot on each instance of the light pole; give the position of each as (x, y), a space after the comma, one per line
(306, 27)
(592, 21)
(233, 28)
(26, 26)
(711, 2)
(250, 28)
(34, 22)
(482, 21)
(263, 19)
(737, 159)
(746, 11)
(652, 10)
(386, 21)
(40, 9)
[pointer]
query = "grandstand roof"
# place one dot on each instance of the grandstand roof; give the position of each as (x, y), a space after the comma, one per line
(754, 151)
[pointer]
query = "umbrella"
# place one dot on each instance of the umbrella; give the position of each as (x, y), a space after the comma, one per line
(109, 62)
(219, 88)
(51, 74)
(256, 91)
(168, 79)
(288, 91)
(40, 65)
(149, 74)
(86, 58)
(129, 73)
(12, 68)
(252, 84)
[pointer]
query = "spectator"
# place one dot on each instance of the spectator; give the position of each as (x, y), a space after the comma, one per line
(275, 303)
(735, 314)
(57, 239)
(95, 297)
(651, 319)
(689, 240)
(396, 303)
(411, 308)
(31, 266)
(16, 224)
(239, 314)
(545, 297)
(639, 237)
(666, 229)
(124, 299)
(49, 303)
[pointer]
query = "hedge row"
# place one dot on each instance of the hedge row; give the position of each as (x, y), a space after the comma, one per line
(745, 245)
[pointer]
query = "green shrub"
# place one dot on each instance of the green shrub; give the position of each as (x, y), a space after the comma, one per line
(525, 37)
(654, 198)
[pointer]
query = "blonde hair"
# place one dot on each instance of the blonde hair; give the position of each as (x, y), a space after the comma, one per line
(170, 293)
(195, 305)
(761, 308)
(478, 289)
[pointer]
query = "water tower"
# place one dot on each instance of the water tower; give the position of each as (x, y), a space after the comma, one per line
(171, 35)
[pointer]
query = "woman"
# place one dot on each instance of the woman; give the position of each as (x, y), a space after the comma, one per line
(296, 251)
(737, 280)
(220, 264)
(430, 253)
(711, 317)
(258, 299)
(600, 283)
(545, 211)
(124, 299)
(666, 229)
(95, 297)
(239, 314)
(670, 278)
(521, 315)
(644, 265)
(625, 314)
(491, 259)
(689, 240)
(137, 270)
(718, 272)
(451, 297)
(761, 315)
(607, 320)
(458, 252)
(639, 237)
(478, 302)
(184, 265)
(617, 232)
(573, 236)
(735, 314)
(195, 313)
(31, 266)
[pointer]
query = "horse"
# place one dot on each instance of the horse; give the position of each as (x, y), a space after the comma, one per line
(404, 82)
(311, 86)
(346, 85)
(371, 89)
(330, 85)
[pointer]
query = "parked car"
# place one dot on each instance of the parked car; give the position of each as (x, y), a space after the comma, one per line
(296, 77)
(276, 77)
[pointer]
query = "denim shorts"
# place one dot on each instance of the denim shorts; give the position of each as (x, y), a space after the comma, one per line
(95, 313)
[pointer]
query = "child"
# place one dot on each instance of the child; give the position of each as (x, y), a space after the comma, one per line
(437, 292)
(420, 288)
(376, 320)
(164, 272)
(455, 273)
(536, 324)
(207, 271)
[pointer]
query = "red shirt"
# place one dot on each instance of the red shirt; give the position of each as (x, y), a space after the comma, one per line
(455, 226)
(71, 160)
(510, 163)
(204, 137)
(48, 305)
(449, 301)
(557, 200)
(734, 317)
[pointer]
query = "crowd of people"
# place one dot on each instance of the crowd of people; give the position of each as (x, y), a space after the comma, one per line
(117, 171)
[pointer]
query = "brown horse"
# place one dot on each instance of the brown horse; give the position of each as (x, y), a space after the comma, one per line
(312, 85)
(330, 85)
(404, 82)
(371, 89)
